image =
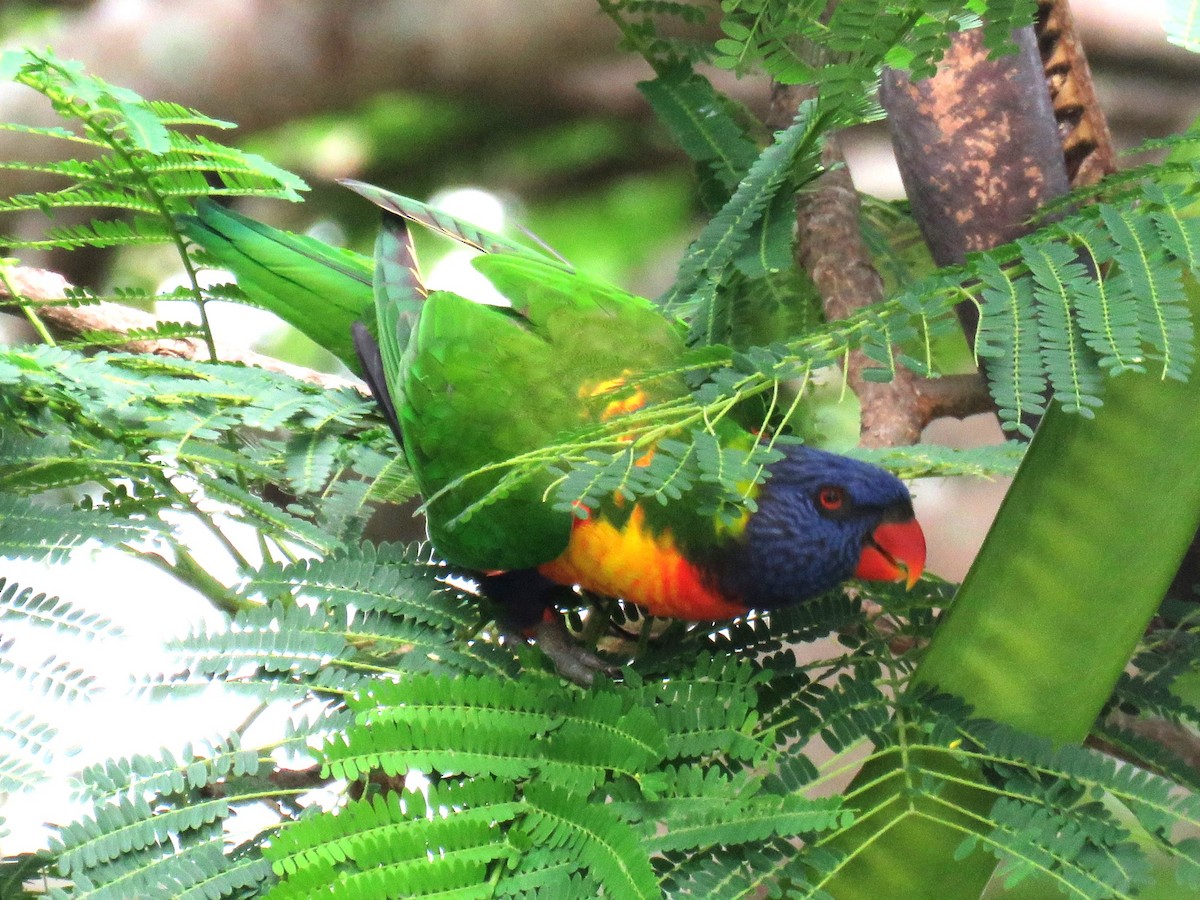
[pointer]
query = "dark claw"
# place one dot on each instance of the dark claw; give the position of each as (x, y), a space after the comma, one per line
(572, 661)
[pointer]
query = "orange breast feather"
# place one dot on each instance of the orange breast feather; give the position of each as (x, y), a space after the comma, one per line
(633, 563)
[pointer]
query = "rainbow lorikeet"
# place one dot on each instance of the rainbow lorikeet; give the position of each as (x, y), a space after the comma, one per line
(467, 387)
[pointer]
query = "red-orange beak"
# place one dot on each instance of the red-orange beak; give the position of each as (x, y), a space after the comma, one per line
(894, 552)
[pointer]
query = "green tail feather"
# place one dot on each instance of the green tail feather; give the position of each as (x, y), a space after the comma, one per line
(399, 295)
(447, 225)
(318, 289)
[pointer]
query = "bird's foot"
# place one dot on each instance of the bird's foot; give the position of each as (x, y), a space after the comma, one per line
(526, 602)
(573, 662)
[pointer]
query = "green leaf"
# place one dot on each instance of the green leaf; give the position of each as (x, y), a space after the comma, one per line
(31, 530)
(699, 121)
(607, 847)
(144, 128)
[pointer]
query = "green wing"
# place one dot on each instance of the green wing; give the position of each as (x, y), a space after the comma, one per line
(318, 289)
(473, 386)
(485, 384)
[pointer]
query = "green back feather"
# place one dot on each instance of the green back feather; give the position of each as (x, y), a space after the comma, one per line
(473, 386)
(483, 384)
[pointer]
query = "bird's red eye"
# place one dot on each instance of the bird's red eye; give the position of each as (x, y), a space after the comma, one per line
(831, 498)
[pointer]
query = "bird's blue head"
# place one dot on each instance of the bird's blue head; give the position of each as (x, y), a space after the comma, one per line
(821, 519)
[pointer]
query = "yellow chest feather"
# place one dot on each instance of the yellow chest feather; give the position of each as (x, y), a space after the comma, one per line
(644, 568)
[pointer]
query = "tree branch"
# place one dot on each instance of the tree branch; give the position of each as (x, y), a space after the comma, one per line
(977, 145)
(1082, 126)
(979, 150)
(830, 248)
(44, 293)
(953, 396)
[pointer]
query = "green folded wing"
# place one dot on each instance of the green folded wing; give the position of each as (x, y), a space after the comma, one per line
(318, 289)
(483, 385)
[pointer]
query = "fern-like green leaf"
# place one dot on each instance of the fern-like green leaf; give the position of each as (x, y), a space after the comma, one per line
(169, 773)
(412, 843)
(24, 740)
(21, 604)
(710, 809)
(1163, 316)
(791, 160)
(1008, 338)
(373, 578)
(31, 530)
(417, 724)
(1071, 370)
(275, 638)
(698, 120)
(129, 823)
(608, 848)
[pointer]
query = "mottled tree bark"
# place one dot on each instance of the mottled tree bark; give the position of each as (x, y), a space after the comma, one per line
(830, 247)
(977, 145)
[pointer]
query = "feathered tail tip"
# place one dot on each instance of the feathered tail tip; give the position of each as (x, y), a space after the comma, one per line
(422, 214)
(447, 225)
(399, 290)
(314, 287)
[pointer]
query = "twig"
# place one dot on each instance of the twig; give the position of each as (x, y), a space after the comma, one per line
(953, 396)
(831, 249)
(44, 294)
